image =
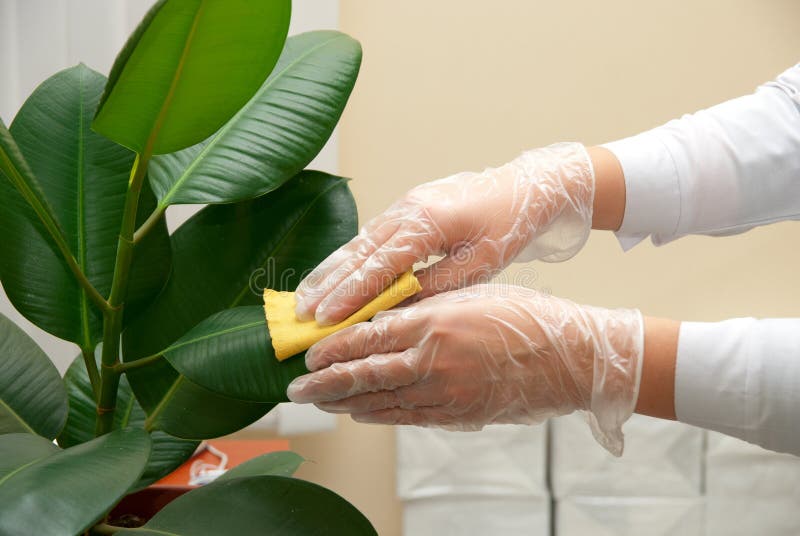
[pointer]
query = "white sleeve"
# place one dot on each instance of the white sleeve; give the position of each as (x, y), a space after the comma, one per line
(719, 171)
(741, 377)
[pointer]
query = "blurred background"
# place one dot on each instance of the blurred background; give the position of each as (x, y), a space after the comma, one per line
(457, 85)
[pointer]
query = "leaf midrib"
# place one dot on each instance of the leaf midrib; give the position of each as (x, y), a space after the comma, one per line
(162, 113)
(280, 242)
(211, 335)
(165, 201)
(81, 214)
(17, 416)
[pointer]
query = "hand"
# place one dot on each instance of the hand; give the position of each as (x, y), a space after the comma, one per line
(540, 203)
(486, 354)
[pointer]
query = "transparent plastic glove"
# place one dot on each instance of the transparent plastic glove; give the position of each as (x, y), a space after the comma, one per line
(539, 206)
(486, 354)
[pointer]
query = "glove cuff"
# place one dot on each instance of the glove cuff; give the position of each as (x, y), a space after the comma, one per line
(616, 376)
(562, 182)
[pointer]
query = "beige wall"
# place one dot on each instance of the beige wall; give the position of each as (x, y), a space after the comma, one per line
(454, 85)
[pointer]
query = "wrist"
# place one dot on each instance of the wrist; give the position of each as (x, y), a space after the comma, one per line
(609, 192)
(657, 389)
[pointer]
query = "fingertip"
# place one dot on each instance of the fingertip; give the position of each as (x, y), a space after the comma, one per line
(295, 390)
(328, 315)
(303, 313)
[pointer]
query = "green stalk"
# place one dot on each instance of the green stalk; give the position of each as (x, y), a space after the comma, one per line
(91, 367)
(112, 320)
(122, 368)
(149, 223)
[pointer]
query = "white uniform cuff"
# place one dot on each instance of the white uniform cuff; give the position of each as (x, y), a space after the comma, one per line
(652, 192)
(741, 377)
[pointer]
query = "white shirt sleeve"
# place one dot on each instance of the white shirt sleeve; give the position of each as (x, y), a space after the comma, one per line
(741, 377)
(719, 171)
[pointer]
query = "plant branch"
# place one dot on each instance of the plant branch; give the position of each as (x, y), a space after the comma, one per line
(91, 367)
(148, 224)
(112, 320)
(122, 368)
(53, 229)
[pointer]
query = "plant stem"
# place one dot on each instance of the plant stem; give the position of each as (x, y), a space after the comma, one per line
(122, 368)
(54, 230)
(104, 529)
(112, 320)
(149, 223)
(91, 367)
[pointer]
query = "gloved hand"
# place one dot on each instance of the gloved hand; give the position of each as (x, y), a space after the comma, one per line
(485, 354)
(540, 204)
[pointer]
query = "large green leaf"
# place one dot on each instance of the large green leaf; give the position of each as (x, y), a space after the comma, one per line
(282, 463)
(84, 178)
(25, 221)
(230, 353)
(275, 135)
(188, 68)
(193, 412)
(261, 505)
(28, 448)
(279, 237)
(32, 395)
(167, 453)
(66, 492)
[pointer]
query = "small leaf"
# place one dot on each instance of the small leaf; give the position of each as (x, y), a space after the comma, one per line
(32, 395)
(262, 505)
(167, 453)
(283, 463)
(188, 67)
(66, 492)
(275, 135)
(230, 353)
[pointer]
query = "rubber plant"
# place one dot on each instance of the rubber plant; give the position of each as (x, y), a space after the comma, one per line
(207, 103)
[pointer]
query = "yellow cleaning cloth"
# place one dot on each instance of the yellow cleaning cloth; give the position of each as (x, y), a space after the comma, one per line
(290, 336)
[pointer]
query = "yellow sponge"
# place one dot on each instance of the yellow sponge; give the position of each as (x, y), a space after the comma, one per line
(290, 336)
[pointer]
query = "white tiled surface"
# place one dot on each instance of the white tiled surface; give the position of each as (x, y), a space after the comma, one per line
(499, 460)
(631, 516)
(661, 458)
(750, 490)
(478, 516)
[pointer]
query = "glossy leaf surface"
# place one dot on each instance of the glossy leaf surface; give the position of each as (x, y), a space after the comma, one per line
(23, 449)
(32, 395)
(262, 505)
(167, 452)
(189, 66)
(279, 237)
(230, 353)
(66, 492)
(275, 135)
(283, 463)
